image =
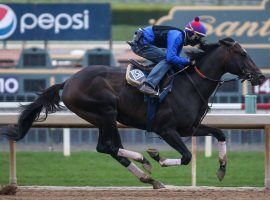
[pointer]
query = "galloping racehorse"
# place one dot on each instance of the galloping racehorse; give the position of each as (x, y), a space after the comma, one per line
(101, 96)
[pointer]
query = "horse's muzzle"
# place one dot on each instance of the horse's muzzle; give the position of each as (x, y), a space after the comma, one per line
(257, 79)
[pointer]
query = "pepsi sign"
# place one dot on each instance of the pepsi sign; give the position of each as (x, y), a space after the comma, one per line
(55, 22)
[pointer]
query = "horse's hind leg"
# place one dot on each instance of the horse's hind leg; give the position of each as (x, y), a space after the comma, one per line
(135, 156)
(203, 130)
(109, 135)
(109, 142)
(174, 140)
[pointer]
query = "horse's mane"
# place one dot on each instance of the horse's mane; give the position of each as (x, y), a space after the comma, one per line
(204, 49)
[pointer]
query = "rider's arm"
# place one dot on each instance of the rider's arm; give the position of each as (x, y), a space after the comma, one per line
(174, 41)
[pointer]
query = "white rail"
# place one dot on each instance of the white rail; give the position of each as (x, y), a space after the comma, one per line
(234, 121)
(215, 106)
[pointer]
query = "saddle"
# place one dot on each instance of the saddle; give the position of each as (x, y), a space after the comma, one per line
(136, 72)
(135, 75)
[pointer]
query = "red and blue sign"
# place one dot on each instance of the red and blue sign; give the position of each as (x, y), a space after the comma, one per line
(55, 21)
(8, 21)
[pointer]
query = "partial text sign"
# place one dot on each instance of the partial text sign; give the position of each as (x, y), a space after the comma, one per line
(55, 22)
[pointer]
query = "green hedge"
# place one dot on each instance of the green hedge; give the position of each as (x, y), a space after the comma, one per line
(137, 14)
(136, 17)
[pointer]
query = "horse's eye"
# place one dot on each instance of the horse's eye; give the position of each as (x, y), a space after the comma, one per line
(244, 54)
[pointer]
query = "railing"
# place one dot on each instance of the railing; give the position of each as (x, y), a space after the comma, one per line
(225, 121)
(215, 106)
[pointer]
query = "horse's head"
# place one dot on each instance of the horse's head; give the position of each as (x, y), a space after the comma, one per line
(238, 62)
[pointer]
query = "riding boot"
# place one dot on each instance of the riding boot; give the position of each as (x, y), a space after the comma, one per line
(148, 90)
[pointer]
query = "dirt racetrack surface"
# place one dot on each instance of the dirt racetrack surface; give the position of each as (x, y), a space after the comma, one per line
(139, 194)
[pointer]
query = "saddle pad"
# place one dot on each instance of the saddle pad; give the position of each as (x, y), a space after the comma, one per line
(134, 76)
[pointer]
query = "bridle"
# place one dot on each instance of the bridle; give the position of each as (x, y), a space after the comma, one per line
(247, 76)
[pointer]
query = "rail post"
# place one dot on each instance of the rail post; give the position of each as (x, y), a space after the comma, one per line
(12, 163)
(267, 157)
(208, 146)
(193, 161)
(66, 141)
(250, 104)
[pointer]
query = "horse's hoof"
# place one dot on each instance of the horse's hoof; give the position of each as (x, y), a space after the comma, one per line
(8, 190)
(154, 183)
(154, 154)
(147, 165)
(157, 185)
(221, 173)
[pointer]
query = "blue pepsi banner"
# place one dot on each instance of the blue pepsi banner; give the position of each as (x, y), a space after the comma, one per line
(55, 21)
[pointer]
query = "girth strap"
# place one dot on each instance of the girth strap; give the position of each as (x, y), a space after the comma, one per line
(153, 103)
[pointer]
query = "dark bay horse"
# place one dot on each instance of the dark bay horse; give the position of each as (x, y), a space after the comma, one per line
(101, 96)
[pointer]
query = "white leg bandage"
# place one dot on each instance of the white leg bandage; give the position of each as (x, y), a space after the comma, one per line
(130, 154)
(222, 149)
(136, 171)
(170, 162)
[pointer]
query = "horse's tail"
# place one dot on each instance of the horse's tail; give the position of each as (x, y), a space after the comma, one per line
(48, 101)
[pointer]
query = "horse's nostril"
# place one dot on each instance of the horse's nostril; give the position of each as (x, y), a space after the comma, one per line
(262, 78)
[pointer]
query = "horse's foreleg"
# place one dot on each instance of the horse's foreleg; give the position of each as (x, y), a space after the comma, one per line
(203, 130)
(164, 162)
(174, 140)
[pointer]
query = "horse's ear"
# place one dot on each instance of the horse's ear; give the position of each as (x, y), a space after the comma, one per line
(226, 43)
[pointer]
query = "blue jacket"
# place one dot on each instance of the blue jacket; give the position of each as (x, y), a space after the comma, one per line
(175, 43)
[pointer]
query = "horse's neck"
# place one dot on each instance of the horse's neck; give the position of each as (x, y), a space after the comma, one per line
(205, 86)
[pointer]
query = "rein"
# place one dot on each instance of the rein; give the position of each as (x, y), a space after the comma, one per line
(214, 80)
(203, 76)
(219, 84)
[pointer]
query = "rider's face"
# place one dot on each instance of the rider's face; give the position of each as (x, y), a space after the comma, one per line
(195, 39)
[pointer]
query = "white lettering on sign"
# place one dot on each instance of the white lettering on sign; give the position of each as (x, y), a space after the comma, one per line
(263, 88)
(9, 85)
(62, 21)
(236, 28)
(46, 21)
